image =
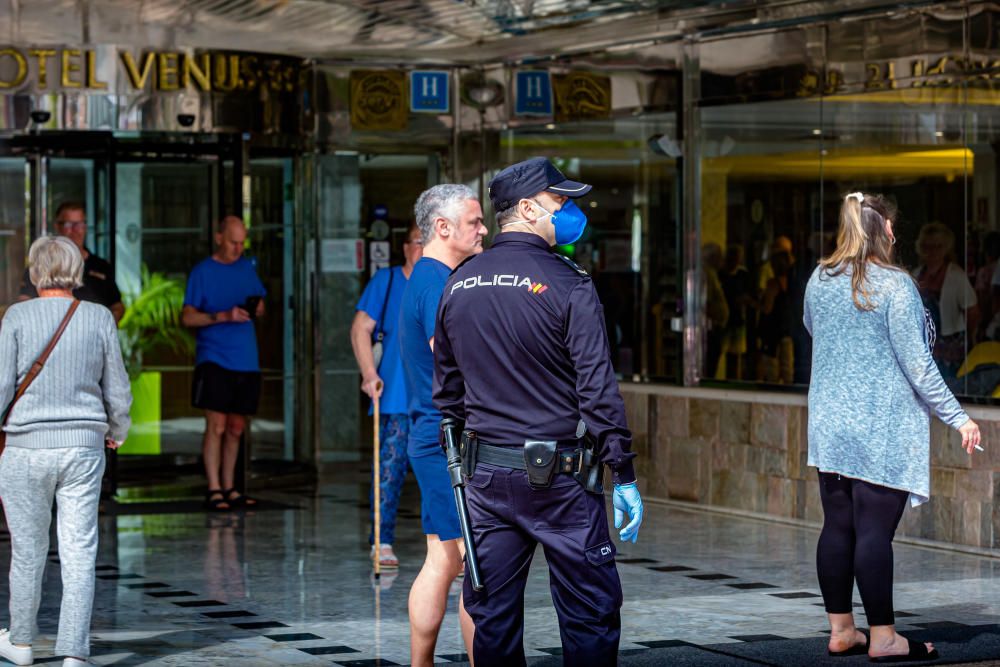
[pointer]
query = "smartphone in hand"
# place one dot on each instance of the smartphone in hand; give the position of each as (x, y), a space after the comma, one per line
(251, 306)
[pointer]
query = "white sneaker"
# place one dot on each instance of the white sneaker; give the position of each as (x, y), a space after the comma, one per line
(16, 654)
(75, 662)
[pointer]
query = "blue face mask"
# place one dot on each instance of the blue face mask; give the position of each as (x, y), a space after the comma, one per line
(569, 222)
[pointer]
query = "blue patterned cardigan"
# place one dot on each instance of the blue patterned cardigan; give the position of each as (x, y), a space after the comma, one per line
(874, 383)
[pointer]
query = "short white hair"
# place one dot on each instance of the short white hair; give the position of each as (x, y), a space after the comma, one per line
(55, 263)
(441, 201)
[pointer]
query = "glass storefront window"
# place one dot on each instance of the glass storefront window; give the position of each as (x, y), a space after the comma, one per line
(630, 246)
(784, 143)
(760, 217)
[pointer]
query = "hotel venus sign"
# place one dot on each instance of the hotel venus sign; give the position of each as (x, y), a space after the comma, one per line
(47, 69)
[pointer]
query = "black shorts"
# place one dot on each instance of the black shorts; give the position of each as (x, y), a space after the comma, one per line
(222, 390)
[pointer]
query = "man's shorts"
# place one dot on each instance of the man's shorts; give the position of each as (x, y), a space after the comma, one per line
(222, 390)
(437, 498)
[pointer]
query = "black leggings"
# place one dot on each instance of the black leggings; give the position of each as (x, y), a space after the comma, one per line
(859, 521)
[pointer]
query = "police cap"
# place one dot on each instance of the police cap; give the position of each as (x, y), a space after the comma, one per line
(526, 179)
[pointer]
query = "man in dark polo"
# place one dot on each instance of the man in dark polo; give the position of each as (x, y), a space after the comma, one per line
(98, 275)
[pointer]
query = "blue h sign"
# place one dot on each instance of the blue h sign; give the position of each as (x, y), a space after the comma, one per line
(534, 94)
(429, 92)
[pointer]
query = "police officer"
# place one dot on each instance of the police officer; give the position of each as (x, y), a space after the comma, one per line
(521, 357)
(98, 275)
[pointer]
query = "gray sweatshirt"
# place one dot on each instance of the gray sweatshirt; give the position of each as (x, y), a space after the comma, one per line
(82, 394)
(874, 382)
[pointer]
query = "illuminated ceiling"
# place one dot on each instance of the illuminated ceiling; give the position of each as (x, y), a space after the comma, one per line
(894, 161)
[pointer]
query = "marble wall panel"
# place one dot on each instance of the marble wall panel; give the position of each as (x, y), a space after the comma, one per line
(685, 467)
(769, 425)
(974, 485)
(671, 417)
(946, 447)
(734, 421)
(943, 482)
(753, 456)
(704, 418)
(780, 496)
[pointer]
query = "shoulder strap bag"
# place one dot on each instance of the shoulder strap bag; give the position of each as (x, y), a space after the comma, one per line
(36, 368)
(379, 329)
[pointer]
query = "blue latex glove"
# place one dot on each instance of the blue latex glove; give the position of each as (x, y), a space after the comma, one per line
(626, 498)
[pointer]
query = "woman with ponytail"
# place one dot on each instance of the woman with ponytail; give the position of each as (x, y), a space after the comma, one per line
(873, 388)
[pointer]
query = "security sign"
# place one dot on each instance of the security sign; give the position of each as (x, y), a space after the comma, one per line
(429, 92)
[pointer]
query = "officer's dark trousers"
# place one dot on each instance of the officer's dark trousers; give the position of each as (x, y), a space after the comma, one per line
(509, 519)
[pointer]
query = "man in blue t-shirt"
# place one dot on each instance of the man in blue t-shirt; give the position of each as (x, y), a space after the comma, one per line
(223, 298)
(376, 323)
(451, 223)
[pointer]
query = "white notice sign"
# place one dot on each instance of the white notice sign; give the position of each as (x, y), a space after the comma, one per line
(342, 255)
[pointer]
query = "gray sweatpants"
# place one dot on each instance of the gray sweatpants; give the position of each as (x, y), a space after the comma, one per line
(29, 480)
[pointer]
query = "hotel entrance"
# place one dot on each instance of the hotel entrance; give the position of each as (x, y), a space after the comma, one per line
(151, 201)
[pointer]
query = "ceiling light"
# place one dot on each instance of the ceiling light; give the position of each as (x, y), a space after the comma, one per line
(550, 126)
(817, 132)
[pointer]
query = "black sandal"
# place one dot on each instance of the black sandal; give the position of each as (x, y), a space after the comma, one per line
(239, 500)
(216, 504)
(857, 649)
(918, 652)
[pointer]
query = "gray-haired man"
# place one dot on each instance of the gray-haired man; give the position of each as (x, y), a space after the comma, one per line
(451, 224)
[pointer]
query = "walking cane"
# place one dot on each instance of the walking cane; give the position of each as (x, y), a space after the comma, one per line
(377, 467)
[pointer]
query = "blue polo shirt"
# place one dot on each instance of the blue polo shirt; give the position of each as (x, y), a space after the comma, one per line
(383, 292)
(416, 327)
(214, 287)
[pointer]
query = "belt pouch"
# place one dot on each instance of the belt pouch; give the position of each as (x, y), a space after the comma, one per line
(469, 449)
(591, 472)
(540, 458)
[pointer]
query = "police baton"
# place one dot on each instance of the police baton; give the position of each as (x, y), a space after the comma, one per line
(450, 426)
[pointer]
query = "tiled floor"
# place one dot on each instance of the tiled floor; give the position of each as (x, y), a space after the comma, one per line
(293, 587)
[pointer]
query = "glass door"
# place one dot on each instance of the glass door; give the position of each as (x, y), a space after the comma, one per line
(271, 239)
(15, 223)
(163, 213)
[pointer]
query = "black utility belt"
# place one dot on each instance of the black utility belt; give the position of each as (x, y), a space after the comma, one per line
(541, 459)
(567, 460)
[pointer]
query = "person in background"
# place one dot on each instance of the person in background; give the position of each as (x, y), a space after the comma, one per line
(451, 226)
(716, 307)
(872, 390)
(777, 349)
(947, 294)
(223, 298)
(737, 287)
(56, 433)
(98, 275)
(986, 275)
(377, 322)
(780, 244)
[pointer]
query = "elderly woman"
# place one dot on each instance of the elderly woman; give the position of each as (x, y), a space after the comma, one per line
(56, 432)
(873, 387)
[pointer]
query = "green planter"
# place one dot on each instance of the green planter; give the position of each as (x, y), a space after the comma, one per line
(144, 436)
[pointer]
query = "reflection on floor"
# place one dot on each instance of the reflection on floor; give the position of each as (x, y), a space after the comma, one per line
(293, 586)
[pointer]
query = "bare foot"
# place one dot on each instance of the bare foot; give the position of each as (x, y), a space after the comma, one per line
(896, 646)
(842, 641)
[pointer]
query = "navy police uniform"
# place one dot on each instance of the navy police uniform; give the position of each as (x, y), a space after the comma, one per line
(521, 353)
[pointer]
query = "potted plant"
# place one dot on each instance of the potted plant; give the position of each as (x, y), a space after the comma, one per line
(152, 321)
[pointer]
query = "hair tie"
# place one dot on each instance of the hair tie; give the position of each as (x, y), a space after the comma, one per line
(857, 195)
